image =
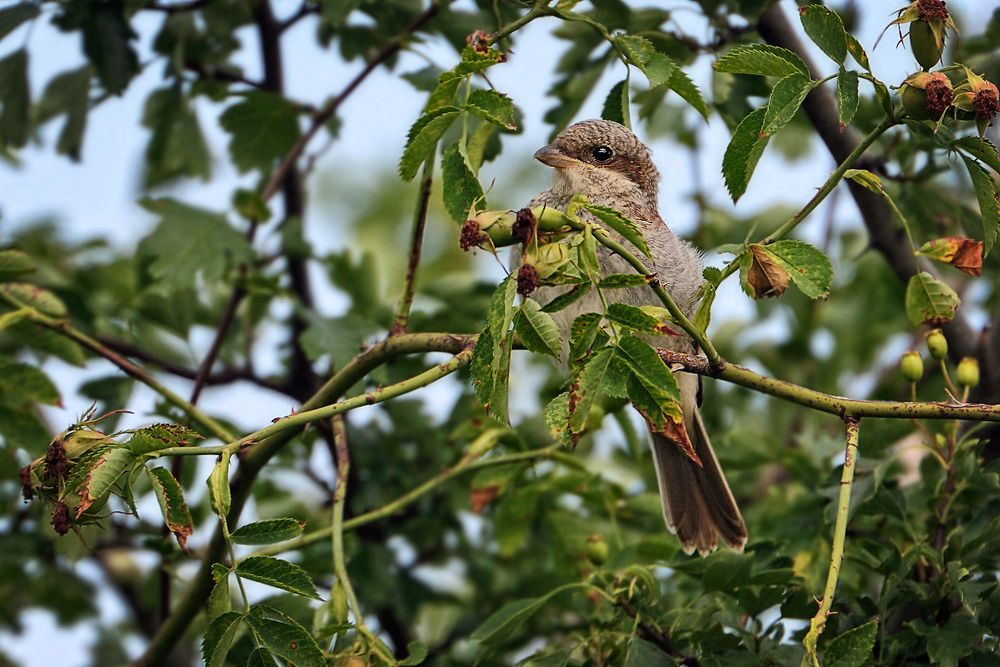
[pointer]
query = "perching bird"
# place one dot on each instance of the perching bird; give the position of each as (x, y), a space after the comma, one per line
(607, 163)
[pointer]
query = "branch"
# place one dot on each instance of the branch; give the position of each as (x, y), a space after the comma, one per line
(884, 234)
(818, 622)
(844, 408)
(416, 244)
(171, 631)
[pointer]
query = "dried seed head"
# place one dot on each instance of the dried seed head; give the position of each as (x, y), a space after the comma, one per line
(986, 103)
(56, 463)
(60, 518)
(26, 491)
(527, 279)
(939, 93)
(932, 9)
(470, 236)
(524, 225)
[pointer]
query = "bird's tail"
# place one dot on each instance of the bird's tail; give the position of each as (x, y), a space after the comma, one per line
(697, 503)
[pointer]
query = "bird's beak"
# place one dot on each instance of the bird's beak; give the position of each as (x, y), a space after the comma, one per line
(553, 157)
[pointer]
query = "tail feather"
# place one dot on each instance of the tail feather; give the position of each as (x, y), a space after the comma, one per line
(697, 503)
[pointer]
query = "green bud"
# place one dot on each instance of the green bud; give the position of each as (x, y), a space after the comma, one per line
(927, 42)
(968, 372)
(937, 344)
(912, 366)
(597, 550)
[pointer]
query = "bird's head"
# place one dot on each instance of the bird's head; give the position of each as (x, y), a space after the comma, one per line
(601, 158)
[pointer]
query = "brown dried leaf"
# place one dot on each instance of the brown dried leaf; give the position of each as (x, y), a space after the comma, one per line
(675, 432)
(964, 254)
(480, 498)
(765, 277)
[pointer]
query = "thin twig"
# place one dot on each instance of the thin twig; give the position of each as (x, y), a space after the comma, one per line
(818, 622)
(416, 244)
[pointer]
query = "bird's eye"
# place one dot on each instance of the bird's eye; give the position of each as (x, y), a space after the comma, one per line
(602, 153)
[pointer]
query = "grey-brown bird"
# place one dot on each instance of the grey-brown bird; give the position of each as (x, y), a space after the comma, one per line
(607, 163)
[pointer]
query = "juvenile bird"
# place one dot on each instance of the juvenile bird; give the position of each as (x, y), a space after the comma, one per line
(607, 163)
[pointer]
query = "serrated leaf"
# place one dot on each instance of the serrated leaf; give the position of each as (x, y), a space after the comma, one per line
(260, 657)
(175, 511)
(567, 298)
(219, 495)
(22, 385)
(495, 107)
(22, 430)
(641, 653)
(189, 242)
(657, 66)
(847, 95)
(537, 330)
(423, 137)
(32, 296)
(460, 187)
(866, 179)
(785, 100)
(160, 436)
(852, 648)
(654, 378)
(964, 254)
(583, 333)
(584, 390)
(14, 263)
(269, 531)
(220, 600)
(632, 317)
(618, 222)
(499, 625)
(982, 149)
(101, 473)
(988, 197)
(15, 99)
(219, 638)
(556, 418)
(472, 62)
(263, 126)
(809, 269)
(930, 301)
(285, 638)
(177, 146)
(616, 104)
(279, 574)
(12, 17)
(743, 152)
(762, 60)
(857, 52)
(67, 94)
(107, 39)
(826, 30)
(682, 84)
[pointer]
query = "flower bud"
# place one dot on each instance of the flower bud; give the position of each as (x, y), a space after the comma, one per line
(968, 372)
(937, 344)
(912, 366)
(597, 550)
(926, 42)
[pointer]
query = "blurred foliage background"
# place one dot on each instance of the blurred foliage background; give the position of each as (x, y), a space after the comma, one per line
(312, 275)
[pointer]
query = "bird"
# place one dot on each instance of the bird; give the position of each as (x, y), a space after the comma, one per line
(608, 164)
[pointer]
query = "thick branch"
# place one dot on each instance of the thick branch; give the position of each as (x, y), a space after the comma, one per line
(835, 405)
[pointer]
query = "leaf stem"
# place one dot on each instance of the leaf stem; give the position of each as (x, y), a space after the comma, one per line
(416, 244)
(818, 622)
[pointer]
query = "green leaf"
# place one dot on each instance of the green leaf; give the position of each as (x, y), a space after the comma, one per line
(175, 511)
(585, 388)
(15, 100)
(556, 419)
(653, 389)
(930, 301)
(160, 436)
(12, 17)
(32, 296)
(537, 330)
(808, 268)
(473, 61)
(743, 152)
(642, 653)
(847, 95)
(22, 385)
(495, 107)
(852, 648)
(263, 127)
(826, 30)
(96, 479)
(500, 625)
(268, 531)
(285, 638)
(22, 430)
(260, 657)
(981, 149)
(567, 298)
(616, 105)
(189, 242)
(857, 51)
(657, 66)
(219, 495)
(279, 574)
(946, 645)
(416, 653)
(762, 60)
(107, 38)
(632, 317)
(219, 638)
(423, 137)
(620, 280)
(583, 333)
(682, 84)
(460, 187)
(618, 222)
(13, 264)
(786, 98)
(220, 600)
(67, 94)
(988, 196)
(866, 179)
(177, 147)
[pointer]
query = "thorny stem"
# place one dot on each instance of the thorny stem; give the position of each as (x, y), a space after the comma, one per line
(818, 622)
(539, 10)
(416, 244)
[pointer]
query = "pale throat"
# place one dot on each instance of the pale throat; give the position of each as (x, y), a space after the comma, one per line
(601, 186)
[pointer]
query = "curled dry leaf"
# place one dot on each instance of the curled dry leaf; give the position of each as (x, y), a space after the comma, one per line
(480, 498)
(675, 432)
(964, 254)
(765, 277)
